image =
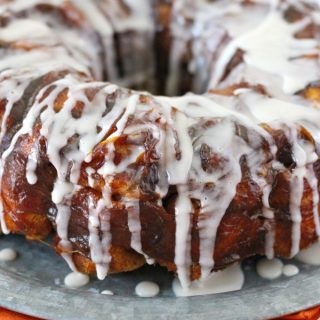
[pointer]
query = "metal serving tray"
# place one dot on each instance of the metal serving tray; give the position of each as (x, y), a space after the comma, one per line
(33, 284)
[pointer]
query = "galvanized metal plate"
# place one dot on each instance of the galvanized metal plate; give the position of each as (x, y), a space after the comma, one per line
(33, 284)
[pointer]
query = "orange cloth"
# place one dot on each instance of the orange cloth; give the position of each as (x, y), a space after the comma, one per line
(311, 314)
(10, 315)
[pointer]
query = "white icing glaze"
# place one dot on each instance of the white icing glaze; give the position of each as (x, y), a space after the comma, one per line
(76, 280)
(290, 270)
(269, 269)
(11, 90)
(273, 56)
(107, 292)
(147, 289)
(229, 279)
(8, 254)
(22, 29)
(287, 47)
(20, 5)
(99, 245)
(269, 215)
(4, 227)
(134, 226)
(273, 268)
(313, 182)
(296, 191)
(310, 255)
(31, 168)
(182, 250)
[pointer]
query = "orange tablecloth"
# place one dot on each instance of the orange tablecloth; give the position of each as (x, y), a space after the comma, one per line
(10, 315)
(312, 314)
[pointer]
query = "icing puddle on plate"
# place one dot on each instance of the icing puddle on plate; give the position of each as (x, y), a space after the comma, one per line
(147, 289)
(274, 268)
(311, 255)
(8, 254)
(230, 279)
(76, 280)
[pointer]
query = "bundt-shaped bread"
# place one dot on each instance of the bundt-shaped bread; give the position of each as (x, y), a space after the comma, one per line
(123, 177)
